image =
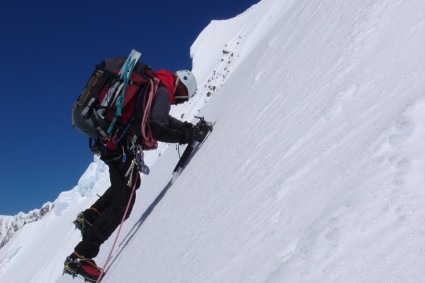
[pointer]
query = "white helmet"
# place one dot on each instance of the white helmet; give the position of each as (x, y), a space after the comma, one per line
(189, 80)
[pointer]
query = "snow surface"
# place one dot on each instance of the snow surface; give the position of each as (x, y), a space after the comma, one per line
(315, 171)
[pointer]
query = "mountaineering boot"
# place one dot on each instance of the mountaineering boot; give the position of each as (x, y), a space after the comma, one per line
(86, 218)
(77, 265)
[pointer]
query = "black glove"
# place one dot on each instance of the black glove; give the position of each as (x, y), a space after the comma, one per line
(200, 131)
(192, 133)
(186, 133)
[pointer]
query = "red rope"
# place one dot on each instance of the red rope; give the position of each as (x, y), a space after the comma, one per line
(118, 233)
(148, 139)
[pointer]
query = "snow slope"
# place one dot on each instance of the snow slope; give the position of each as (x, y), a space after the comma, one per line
(315, 171)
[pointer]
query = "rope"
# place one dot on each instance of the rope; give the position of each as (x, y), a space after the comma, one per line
(147, 135)
(118, 233)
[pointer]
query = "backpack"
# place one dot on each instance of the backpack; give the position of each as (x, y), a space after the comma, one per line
(96, 114)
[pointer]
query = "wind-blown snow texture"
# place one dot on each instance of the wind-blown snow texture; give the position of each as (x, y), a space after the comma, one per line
(314, 171)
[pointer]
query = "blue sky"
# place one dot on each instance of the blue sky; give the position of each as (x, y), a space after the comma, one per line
(47, 51)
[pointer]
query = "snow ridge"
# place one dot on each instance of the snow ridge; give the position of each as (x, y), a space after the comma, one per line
(9, 225)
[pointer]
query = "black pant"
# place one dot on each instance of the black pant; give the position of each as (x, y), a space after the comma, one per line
(111, 206)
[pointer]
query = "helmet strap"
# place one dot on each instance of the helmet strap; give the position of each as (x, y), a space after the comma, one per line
(176, 83)
(177, 97)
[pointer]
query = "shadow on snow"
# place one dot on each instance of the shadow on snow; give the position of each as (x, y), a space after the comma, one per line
(139, 223)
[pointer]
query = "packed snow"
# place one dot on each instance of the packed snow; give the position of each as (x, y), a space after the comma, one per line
(315, 170)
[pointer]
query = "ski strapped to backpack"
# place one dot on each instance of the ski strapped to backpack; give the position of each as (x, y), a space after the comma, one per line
(125, 73)
(116, 101)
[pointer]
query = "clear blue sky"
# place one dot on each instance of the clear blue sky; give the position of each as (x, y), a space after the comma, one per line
(47, 51)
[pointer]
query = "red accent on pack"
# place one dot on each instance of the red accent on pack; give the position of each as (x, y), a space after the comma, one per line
(167, 78)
